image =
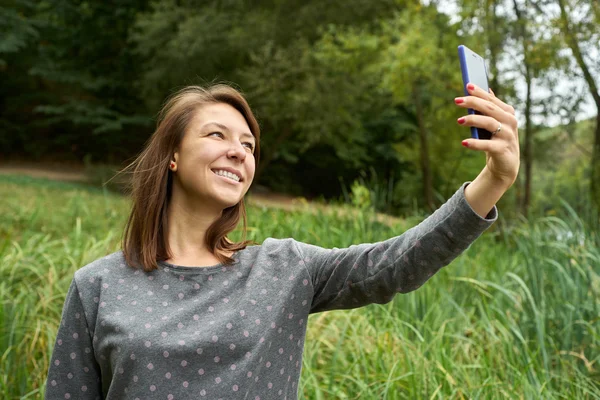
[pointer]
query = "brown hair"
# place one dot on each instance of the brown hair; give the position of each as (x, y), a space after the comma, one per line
(144, 237)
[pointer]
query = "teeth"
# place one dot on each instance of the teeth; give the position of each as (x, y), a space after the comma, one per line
(228, 175)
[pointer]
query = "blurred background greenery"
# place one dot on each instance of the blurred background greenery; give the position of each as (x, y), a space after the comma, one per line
(348, 92)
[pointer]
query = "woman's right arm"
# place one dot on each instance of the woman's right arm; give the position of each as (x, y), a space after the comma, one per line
(74, 372)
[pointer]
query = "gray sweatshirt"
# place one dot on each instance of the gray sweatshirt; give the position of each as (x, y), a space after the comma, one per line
(233, 332)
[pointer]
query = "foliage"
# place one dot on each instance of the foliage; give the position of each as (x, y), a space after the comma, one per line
(334, 84)
(81, 85)
(565, 177)
(361, 197)
(515, 316)
(19, 28)
(422, 61)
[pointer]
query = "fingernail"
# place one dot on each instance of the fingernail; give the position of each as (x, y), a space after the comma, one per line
(470, 86)
(461, 120)
(465, 143)
(459, 100)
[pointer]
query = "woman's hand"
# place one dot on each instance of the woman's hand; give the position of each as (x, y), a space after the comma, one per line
(502, 150)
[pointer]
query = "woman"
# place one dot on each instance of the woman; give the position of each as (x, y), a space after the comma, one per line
(182, 312)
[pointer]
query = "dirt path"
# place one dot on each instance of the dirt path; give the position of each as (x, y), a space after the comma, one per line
(75, 173)
(50, 171)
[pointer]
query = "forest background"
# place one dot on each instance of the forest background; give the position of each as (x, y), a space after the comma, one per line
(355, 101)
(353, 96)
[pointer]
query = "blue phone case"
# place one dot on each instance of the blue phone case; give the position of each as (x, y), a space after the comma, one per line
(463, 51)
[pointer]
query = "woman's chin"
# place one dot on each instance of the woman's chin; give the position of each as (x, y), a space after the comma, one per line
(229, 202)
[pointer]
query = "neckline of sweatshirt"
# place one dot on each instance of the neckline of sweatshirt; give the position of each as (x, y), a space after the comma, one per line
(209, 269)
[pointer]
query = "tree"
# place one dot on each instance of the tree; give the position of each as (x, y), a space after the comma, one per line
(581, 34)
(486, 26)
(319, 98)
(303, 79)
(19, 30)
(540, 54)
(89, 70)
(421, 71)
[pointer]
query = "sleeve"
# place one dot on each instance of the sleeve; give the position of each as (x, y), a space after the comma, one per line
(74, 372)
(373, 273)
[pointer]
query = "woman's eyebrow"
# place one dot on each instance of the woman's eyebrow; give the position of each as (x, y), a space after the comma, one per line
(225, 128)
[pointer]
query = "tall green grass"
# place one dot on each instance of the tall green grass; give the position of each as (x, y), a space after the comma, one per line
(516, 316)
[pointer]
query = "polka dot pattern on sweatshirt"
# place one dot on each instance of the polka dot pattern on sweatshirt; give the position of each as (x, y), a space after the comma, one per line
(234, 331)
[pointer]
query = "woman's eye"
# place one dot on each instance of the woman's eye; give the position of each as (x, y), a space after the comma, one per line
(249, 145)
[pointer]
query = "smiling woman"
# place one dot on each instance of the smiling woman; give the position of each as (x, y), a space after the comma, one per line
(182, 312)
(177, 182)
(212, 168)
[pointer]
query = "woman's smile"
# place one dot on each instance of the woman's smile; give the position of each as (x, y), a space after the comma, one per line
(228, 177)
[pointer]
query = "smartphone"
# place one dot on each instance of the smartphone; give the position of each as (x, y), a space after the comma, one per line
(473, 70)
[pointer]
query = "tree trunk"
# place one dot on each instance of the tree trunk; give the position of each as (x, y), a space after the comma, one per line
(596, 163)
(494, 45)
(574, 45)
(528, 151)
(424, 151)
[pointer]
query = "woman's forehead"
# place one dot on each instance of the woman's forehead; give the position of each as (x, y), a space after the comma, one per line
(222, 116)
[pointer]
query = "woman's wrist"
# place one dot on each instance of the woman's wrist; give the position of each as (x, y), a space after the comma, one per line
(484, 192)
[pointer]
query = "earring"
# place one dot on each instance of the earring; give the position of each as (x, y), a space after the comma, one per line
(172, 165)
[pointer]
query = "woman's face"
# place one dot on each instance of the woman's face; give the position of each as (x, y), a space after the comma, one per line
(216, 144)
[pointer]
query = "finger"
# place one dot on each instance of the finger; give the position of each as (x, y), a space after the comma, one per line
(485, 107)
(510, 111)
(488, 108)
(506, 107)
(489, 146)
(477, 91)
(482, 121)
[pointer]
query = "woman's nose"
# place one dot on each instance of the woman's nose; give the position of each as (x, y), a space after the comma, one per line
(237, 151)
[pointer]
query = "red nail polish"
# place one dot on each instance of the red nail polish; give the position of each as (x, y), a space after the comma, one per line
(470, 86)
(461, 120)
(465, 143)
(459, 100)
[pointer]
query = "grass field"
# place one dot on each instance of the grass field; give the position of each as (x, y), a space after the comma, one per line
(517, 316)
